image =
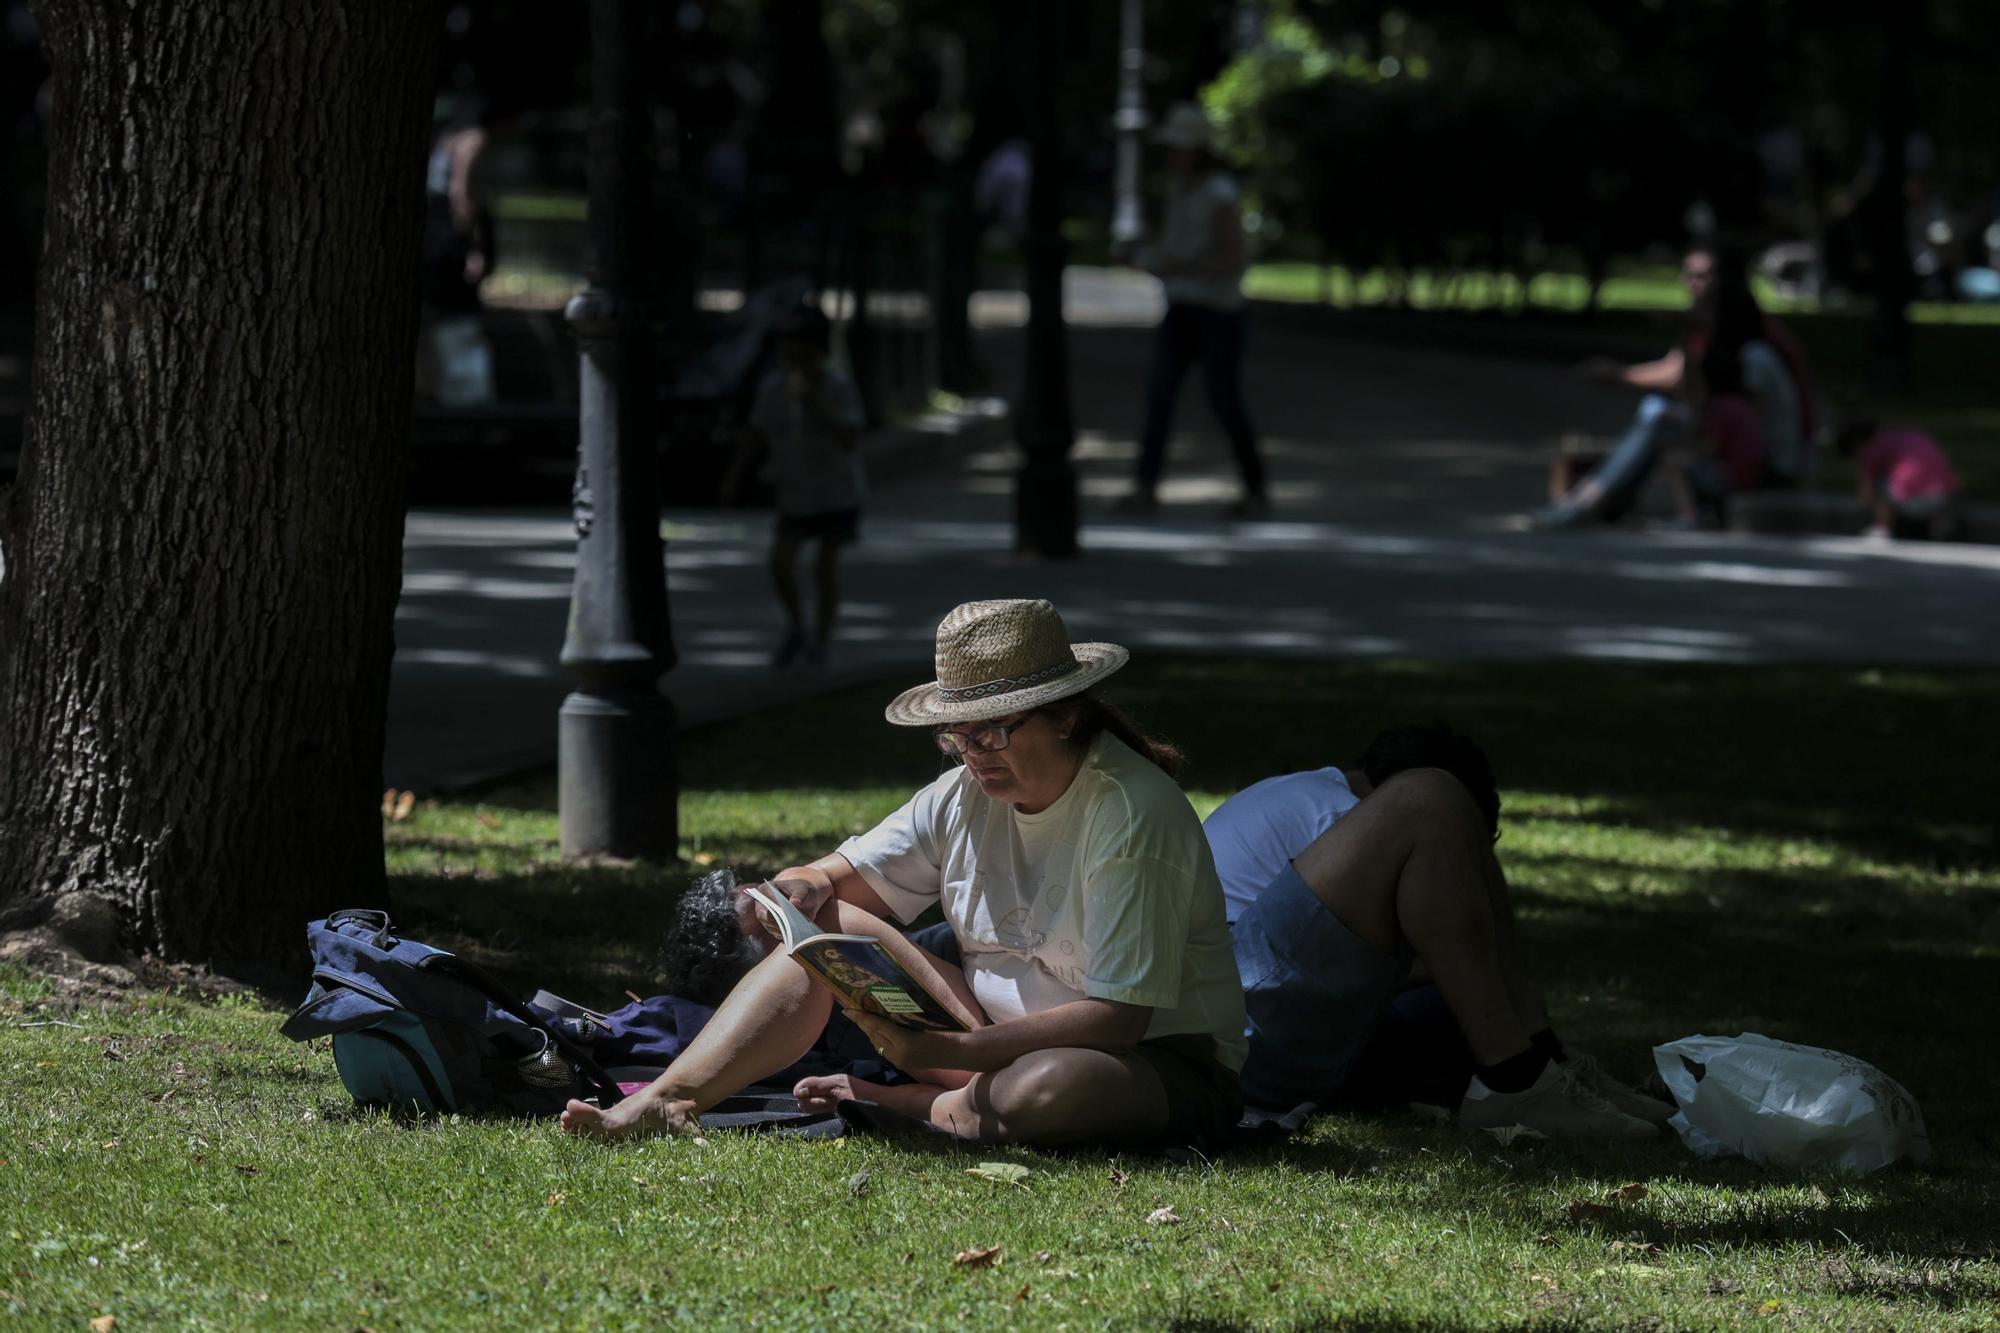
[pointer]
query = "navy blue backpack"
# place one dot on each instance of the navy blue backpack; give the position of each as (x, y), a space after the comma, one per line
(416, 1028)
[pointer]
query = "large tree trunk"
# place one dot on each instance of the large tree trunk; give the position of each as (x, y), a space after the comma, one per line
(203, 546)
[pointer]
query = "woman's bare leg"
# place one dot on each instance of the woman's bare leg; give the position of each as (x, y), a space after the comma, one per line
(1057, 1096)
(768, 1022)
(1410, 865)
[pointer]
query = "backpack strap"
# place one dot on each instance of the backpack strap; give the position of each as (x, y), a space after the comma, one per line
(486, 984)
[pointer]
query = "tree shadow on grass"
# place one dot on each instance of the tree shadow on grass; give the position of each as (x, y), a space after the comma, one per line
(1819, 751)
(589, 932)
(1889, 762)
(1694, 1205)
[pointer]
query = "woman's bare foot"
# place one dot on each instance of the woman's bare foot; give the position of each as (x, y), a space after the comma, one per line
(641, 1115)
(828, 1091)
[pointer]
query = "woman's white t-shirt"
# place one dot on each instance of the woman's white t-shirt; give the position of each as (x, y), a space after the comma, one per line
(1110, 893)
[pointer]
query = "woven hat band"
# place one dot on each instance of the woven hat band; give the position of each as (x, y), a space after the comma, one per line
(1008, 684)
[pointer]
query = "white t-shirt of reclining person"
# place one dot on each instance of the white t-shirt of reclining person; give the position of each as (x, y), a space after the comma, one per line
(1109, 893)
(1255, 834)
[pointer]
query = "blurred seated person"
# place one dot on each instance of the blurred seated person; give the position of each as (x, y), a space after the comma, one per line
(1589, 484)
(1340, 886)
(1745, 404)
(1906, 480)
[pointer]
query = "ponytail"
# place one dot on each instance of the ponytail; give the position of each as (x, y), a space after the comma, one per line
(1094, 717)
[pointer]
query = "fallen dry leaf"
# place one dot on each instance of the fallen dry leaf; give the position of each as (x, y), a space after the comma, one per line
(1583, 1210)
(1002, 1173)
(1163, 1217)
(1043, 1256)
(389, 804)
(104, 1323)
(1022, 1294)
(985, 1258)
(556, 1197)
(485, 820)
(1631, 1193)
(1119, 1177)
(246, 1168)
(704, 858)
(109, 1144)
(404, 804)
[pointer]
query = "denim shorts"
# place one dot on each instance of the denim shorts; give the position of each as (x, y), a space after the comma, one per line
(1315, 993)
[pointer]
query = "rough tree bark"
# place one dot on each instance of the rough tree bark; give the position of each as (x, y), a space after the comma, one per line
(203, 546)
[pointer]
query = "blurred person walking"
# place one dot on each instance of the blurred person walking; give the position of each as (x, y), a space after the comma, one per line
(1200, 257)
(808, 415)
(458, 256)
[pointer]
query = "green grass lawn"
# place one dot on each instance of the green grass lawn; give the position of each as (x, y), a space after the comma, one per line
(1809, 853)
(1637, 287)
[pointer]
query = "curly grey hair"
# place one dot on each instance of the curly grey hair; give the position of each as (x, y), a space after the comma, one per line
(705, 952)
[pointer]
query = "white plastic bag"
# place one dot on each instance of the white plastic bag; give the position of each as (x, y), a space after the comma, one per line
(1787, 1105)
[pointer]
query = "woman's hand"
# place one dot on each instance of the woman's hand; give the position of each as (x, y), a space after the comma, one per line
(907, 1048)
(808, 888)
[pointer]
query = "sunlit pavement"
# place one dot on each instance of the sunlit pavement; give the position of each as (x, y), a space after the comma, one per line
(1397, 476)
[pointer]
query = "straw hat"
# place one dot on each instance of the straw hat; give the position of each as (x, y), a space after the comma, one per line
(996, 658)
(1185, 126)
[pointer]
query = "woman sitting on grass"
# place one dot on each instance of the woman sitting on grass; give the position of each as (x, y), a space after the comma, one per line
(1097, 981)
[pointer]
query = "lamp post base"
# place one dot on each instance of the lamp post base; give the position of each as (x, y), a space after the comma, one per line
(615, 775)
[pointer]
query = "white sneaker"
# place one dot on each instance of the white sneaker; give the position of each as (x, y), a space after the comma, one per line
(1556, 1105)
(1588, 1073)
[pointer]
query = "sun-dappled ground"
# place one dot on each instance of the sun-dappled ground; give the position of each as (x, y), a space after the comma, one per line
(1806, 852)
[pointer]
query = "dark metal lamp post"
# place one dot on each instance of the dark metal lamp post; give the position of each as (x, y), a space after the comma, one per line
(1045, 506)
(1128, 220)
(615, 745)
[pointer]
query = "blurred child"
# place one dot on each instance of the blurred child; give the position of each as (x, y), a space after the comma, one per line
(808, 414)
(1906, 480)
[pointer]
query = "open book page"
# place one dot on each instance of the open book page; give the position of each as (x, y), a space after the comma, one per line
(857, 968)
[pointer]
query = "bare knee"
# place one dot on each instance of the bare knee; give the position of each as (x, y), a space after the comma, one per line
(1035, 1100)
(1433, 801)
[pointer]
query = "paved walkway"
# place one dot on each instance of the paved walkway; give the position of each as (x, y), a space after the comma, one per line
(1398, 473)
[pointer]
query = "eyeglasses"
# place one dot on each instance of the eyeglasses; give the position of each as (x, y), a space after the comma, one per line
(985, 737)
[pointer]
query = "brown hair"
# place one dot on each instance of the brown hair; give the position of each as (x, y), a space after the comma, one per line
(1092, 716)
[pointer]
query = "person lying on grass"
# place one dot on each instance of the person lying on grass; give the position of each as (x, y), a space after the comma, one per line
(1097, 982)
(1340, 883)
